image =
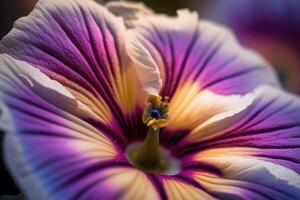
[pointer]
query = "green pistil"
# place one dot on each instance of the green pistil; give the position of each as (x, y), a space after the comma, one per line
(148, 156)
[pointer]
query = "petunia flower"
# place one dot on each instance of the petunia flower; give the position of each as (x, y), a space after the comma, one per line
(270, 27)
(118, 102)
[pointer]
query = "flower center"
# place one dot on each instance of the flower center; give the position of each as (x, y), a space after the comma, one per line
(149, 156)
(154, 113)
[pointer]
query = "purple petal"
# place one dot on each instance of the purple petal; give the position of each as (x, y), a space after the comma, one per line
(256, 157)
(45, 146)
(78, 178)
(248, 178)
(188, 50)
(270, 128)
(81, 45)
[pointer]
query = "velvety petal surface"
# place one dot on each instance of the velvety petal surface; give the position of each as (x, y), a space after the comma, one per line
(196, 113)
(178, 189)
(257, 157)
(271, 127)
(66, 88)
(186, 49)
(69, 94)
(146, 68)
(81, 45)
(49, 150)
(244, 177)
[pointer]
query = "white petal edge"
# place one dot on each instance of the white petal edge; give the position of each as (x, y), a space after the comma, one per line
(224, 120)
(39, 83)
(256, 171)
(235, 106)
(129, 11)
(5, 118)
(146, 68)
(204, 112)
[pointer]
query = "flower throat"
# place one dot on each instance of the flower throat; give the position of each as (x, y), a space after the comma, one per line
(149, 156)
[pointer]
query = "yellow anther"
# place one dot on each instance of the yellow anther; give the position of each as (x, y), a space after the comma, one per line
(156, 113)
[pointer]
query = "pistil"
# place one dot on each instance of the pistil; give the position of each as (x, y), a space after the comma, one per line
(149, 156)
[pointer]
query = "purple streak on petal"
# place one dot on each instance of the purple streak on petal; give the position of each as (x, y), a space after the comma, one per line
(113, 131)
(171, 138)
(187, 179)
(80, 43)
(202, 52)
(189, 164)
(47, 145)
(271, 127)
(156, 181)
(45, 142)
(46, 149)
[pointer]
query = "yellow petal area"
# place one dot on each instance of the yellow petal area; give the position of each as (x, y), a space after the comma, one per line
(97, 105)
(91, 62)
(130, 90)
(216, 185)
(213, 183)
(127, 90)
(131, 184)
(203, 112)
(177, 190)
(223, 152)
(94, 146)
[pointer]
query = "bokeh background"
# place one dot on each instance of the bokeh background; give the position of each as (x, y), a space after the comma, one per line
(271, 27)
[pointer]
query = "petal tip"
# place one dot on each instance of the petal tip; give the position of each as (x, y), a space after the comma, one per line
(146, 68)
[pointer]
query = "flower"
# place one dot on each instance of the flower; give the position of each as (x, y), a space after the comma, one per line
(270, 27)
(75, 79)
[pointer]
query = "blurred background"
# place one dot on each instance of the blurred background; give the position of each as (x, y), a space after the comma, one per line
(271, 27)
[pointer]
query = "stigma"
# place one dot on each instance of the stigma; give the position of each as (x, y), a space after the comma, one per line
(156, 113)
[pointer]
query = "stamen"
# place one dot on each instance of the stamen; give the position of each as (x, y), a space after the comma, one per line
(148, 156)
(156, 113)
